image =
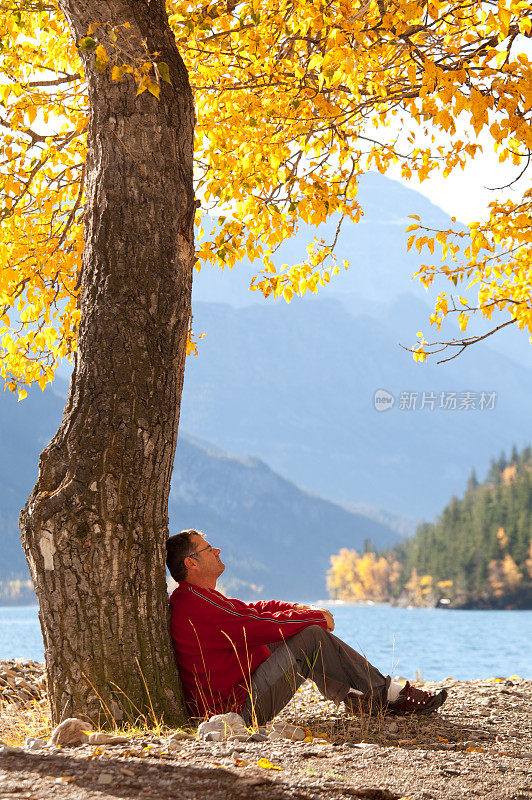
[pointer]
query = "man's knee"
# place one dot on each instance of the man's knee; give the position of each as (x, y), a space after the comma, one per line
(310, 635)
(317, 632)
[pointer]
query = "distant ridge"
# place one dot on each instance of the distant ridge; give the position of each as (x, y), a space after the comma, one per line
(276, 539)
(263, 523)
(295, 385)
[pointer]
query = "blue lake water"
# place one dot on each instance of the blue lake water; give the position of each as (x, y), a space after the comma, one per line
(435, 643)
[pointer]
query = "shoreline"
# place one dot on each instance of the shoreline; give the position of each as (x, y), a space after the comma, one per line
(478, 745)
(477, 606)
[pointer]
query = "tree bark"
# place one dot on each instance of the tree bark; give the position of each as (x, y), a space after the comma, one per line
(95, 525)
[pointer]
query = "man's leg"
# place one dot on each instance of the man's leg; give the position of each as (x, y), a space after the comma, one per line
(317, 654)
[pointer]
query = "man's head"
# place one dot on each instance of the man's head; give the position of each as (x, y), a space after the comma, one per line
(190, 557)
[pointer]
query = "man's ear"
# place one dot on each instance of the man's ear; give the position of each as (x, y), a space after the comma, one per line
(189, 562)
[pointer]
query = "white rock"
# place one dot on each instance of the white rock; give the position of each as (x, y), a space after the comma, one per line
(71, 731)
(174, 744)
(34, 744)
(226, 724)
(179, 735)
(286, 731)
(105, 778)
(213, 736)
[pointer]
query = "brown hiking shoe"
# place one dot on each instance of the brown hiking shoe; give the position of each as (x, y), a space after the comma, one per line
(416, 701)
(410, 701)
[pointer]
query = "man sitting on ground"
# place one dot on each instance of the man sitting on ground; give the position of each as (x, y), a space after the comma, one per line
(252, 657)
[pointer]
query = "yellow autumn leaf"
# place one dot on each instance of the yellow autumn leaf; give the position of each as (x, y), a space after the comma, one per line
(117, 73)
(154, 89)
(265, 764)
(102, 59)
(143, 84)
(266, 91)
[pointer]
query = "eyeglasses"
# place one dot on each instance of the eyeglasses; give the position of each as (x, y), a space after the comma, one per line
(197, 552)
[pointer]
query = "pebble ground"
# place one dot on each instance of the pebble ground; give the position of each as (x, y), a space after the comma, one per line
(478, 746)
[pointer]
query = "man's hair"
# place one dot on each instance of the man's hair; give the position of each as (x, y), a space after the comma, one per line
(178, 547)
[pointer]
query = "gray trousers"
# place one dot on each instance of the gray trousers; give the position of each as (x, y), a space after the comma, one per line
(313, 653)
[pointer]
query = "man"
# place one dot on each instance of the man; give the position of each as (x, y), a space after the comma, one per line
(252, 657)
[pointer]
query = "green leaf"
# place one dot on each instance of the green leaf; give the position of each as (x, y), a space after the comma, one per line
(88, 43)
(164, 71)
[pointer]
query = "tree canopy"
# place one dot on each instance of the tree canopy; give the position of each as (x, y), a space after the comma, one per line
(294, 100)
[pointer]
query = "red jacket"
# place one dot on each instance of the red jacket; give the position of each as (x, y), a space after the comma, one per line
(219, 643)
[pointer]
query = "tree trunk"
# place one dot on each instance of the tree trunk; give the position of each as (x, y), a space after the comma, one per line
(95, 525)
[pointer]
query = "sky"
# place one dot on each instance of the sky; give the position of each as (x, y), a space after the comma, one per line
(466, 194)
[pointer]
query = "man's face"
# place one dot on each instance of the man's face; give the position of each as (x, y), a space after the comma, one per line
(206, 560)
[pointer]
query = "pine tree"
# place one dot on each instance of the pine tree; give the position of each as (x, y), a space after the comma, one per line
(481, 542)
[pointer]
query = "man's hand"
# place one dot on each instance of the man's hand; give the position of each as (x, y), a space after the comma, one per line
(329, 619)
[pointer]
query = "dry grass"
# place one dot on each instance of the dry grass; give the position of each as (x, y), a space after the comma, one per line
(35, 721)
(17, 726)
(325, 721)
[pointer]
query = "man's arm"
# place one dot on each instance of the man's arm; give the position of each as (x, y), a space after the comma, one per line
(279, 605)
(272, 606)
(243, 624)
(329, 619)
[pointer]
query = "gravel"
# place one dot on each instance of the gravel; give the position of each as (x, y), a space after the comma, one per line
(479, 745)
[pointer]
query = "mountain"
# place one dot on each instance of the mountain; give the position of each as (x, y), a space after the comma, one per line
(294, 385)
(381, 269)
(25, 430)
(276, 539)
(263, 523)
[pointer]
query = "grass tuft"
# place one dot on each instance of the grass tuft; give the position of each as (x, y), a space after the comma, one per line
(17, 725)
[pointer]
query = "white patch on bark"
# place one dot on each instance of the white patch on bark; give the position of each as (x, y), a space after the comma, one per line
(111, 494)
(47, 546)
(148, 443)
(94, 486)
(115, 568)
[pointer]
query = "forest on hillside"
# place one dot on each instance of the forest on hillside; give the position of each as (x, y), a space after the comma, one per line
(478, 553)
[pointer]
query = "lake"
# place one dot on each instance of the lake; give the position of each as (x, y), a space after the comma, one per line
(434, 643)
